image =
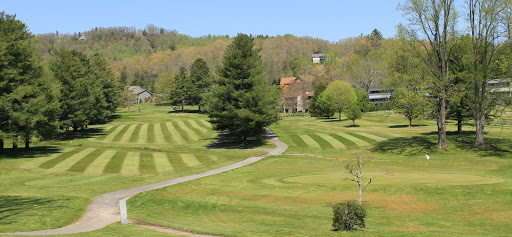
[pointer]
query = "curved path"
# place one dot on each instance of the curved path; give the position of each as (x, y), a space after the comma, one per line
(105, 208)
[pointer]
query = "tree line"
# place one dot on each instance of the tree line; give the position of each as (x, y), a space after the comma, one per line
(38, 98)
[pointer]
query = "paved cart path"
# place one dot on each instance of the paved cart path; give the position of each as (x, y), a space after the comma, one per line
(105, 208)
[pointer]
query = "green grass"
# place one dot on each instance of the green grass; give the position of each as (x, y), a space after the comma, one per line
(61, 177)
(462, 192)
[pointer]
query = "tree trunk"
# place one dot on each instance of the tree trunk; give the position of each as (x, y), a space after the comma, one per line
(244, 140)
(183, 106)
(339, 115)
(15, 142)
(1, 145)
(27, 143)
(360, 192)
(459, 126)
(441, 124)
(410, 122)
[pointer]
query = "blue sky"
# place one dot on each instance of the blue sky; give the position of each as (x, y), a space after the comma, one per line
(328, 19)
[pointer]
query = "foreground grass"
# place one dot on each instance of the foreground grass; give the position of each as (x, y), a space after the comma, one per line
(50, 185)
(464, 191)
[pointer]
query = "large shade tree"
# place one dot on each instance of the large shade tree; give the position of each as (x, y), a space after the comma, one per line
(341, 94)
(241, 100)
(432, 24)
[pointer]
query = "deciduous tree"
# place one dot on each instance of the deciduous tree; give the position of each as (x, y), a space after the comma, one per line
(341, 94)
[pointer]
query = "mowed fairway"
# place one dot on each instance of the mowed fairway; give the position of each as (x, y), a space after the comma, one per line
(51, 185)
(462, 191)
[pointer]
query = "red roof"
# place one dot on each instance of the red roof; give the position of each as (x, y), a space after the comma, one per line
(287, 80)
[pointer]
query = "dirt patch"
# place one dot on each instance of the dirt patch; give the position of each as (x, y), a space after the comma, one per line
(412, 228)
(403, 204)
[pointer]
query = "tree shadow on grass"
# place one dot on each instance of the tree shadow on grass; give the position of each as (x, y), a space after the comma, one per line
(353, 126)
(228, 141)
(406, 126)
(81, 134)
(409, 146)
(331, 120)
(21, 153)
(11, 206)
(427, 143)
(186, 111)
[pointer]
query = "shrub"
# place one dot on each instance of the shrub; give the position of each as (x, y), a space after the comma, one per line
(347, 215)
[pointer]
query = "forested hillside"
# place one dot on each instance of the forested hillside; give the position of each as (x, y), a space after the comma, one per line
(152, 56)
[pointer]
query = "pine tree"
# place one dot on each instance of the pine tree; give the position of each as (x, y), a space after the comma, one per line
(180, 89)
(25, 103)
(200, 81)
(241, 99)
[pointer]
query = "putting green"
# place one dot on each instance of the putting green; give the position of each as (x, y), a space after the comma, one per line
(401, 178)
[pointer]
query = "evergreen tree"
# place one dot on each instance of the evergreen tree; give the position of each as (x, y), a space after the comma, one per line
(180, 89)
(25, 103)
(200, 80)
(241, 100)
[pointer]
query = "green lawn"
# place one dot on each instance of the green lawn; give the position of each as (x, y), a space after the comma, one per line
(137, 148)
(464, 191)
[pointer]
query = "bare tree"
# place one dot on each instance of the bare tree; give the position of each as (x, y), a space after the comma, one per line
(484, 20)
(434, 21)
(354, 167)
(368, 72)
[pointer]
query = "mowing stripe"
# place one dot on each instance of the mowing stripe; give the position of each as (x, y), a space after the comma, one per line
(335, 143)
(193, 129)
(53, 162)
(83, 163)
(204, 124)
(131, 163)
(128, 134)
(177, 162)
(99, 164)
(111, 136)
(190, 160)
(309, 141)
(116, 162)
(120, 135)
(135, 135)
(371, 136)
(181, 132)
(298, 141)
(147, 163)
(107, 130)
(162, 162)
(196, 124)
(175, 135)
(366, 139)
(67, 163)
(346, 142)
(356, 140)
(190, 133)
(167, 134)
(159, 136)
(151, 133)
(143, 134)
(322, 142)
(214, 158)
(39, 161)
(205, 160)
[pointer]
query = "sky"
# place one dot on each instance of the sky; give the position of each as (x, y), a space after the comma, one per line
(328, 19)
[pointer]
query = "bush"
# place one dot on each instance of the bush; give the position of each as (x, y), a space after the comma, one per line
(347, 215)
